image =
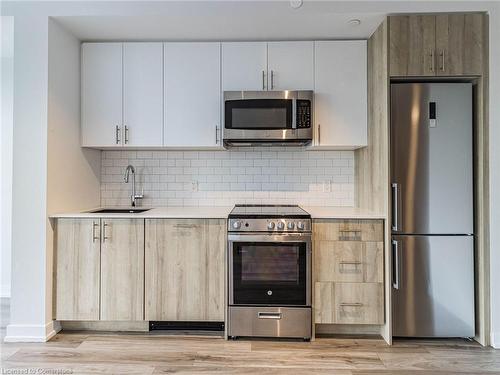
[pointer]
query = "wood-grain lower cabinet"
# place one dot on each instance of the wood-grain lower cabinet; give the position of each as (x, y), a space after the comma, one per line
(185, 269)
(77, 269)
(348, 271)
(122, 269)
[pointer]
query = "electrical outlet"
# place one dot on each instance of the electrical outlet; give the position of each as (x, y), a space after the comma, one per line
(194, 186)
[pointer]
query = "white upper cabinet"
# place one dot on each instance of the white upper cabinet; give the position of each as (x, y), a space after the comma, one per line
(142, 94)
(244, 66)
(192, 95)
(340, 100)
(291, 65)
(101, 94)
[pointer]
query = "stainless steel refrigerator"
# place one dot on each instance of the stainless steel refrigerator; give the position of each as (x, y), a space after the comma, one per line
(432, 209)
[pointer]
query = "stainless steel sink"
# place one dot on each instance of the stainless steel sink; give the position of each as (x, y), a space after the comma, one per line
(120, 210)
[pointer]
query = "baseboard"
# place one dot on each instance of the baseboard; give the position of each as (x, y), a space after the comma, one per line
(495, 340)
(5, 291)
(31, 332)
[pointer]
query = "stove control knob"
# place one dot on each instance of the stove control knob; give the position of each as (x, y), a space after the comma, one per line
(236, 224)
(281, 225)
(300, 225)
(270, 225)
(290, 225)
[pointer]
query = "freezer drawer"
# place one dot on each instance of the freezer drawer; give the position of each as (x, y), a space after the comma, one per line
(433, 286)
(431, 160)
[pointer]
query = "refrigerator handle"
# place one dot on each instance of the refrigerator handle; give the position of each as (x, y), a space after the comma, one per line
(395, 263)
(395, 207)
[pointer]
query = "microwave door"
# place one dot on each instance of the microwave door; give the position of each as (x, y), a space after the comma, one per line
(259, 114)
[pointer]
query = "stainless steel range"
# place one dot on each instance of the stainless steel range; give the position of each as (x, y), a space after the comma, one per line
(269, 271)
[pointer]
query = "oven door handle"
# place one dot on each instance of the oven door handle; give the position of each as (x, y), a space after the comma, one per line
(296, 237)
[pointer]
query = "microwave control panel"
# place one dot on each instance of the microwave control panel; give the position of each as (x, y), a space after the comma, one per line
(303, 113)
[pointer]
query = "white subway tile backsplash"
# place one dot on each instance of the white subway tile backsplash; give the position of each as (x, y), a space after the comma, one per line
(246, 175)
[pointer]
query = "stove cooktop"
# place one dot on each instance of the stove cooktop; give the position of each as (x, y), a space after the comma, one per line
(268, 211)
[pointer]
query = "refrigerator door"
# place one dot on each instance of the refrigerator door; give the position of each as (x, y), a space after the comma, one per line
(431, 158)
(433, 286)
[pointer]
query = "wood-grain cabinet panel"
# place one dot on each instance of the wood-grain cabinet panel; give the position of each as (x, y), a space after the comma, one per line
(185, 269)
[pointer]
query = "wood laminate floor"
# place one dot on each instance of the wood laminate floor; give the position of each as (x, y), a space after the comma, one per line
(140, 353)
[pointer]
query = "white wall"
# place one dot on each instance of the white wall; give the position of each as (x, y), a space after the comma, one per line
(73, 173)
(7, 103)
(495, 174)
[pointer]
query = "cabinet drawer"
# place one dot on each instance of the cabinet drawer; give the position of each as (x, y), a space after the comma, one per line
(349, 230)
(349, 261)
(359, 303)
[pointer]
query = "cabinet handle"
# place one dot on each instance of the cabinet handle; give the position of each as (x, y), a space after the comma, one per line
(351, 304)
(216, 135)
(104, 237)
(319, 134)
(442, 60)
(185, 226)
(432, 61)
(263, 80)
(126, 134)
(272, 79)
(94, 237)
(117, 135)
(346, 262)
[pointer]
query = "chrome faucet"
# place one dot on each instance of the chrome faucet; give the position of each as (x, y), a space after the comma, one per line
(134, 196)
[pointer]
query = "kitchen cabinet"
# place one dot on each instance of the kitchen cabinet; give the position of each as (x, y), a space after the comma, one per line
(142, 94)
(348, 269)
(436, 45)
(185, 269)
(122, 269)
(99, 267)
(77, 269)
(244, 66)
(122, 94)
(192, 95)
(340, 94)
(290, 65)
(101, 94)
(257, 66)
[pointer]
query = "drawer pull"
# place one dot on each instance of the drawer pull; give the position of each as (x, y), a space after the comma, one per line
(351, 304)
(353, 262)
(349, 235)
(269, 315)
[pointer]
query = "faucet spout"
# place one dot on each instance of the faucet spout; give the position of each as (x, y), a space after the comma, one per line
(133, 197)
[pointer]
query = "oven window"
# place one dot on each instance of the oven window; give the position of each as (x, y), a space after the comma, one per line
(250, 114)
(269, 273)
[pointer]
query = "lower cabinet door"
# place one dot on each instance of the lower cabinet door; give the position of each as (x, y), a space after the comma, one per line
(185, 269)
(77, 261)
(359, 303)
(122, 269)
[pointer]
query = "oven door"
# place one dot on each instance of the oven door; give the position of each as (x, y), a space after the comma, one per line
(270, 270)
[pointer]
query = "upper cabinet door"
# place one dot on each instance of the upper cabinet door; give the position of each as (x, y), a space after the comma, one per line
(340, 100)
(101, 94)
(460, 44)
(290, 65)
(142, 94)
(192, 94)
(244, 66)
(412, 45)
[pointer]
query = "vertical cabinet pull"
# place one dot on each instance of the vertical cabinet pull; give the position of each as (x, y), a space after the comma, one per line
(216, 135)
(272, 79)
(117, 135)
(104, 237)
(263, 80)
(395, 264)
(442, 55)
(319, 134)
(126, 134)
(94, 236)
(431, 54)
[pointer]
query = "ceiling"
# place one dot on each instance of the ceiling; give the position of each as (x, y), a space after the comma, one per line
(239, 20)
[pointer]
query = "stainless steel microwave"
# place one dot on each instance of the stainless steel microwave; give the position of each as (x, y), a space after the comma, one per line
(268, 118)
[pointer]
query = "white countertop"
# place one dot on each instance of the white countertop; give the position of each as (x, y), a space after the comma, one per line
(219, 213)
